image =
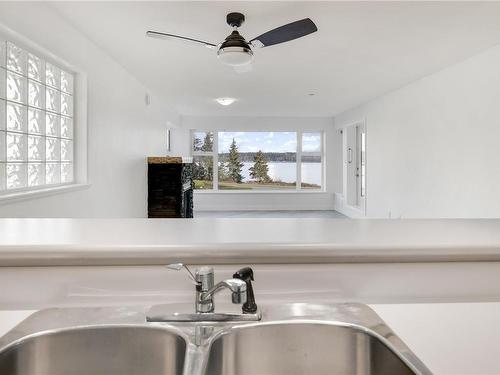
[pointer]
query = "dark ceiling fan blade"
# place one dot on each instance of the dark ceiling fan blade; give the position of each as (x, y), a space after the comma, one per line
(285, 33)
(156, 34)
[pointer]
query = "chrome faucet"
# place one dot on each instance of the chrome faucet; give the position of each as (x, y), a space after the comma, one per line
(203, 279)
(205, 288)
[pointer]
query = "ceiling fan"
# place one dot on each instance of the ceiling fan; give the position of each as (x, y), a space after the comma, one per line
(235, 50)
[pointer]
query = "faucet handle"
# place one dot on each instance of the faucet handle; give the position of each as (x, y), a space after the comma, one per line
(204, 276)
(179, 266)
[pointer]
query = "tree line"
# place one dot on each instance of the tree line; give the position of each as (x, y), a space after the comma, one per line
(230, 164)
(288, 157)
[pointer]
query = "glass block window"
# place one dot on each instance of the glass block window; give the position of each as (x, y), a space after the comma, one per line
(36, 120)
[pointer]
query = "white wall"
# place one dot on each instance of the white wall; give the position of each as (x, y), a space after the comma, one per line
(433, 146)
(122, 130)
(228, 200)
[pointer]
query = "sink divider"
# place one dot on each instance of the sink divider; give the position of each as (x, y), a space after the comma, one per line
(196, 359)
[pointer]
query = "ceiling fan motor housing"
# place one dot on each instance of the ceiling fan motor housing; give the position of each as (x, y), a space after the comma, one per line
(235, 50)
(235, 40)
(235, 19)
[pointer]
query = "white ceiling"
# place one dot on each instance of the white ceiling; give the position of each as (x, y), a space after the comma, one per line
(361, 50)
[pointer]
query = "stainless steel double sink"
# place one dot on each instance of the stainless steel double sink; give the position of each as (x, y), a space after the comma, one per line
(290, 339)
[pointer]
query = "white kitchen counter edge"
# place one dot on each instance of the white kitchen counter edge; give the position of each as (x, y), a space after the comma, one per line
(45, 242)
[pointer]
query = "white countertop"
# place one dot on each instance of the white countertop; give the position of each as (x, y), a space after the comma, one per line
(27, 242)
(450, 338)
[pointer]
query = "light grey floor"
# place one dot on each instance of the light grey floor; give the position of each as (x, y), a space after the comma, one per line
(271, 214)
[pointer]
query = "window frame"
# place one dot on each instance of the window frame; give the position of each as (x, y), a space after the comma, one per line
(321, 153)
(213, 153)
(298, 184)
(79, 138)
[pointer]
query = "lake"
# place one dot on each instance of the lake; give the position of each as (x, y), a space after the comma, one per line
(287, 172)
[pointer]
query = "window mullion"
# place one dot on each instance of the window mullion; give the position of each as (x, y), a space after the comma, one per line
(299, 160)
(323, 161)
(215, 150)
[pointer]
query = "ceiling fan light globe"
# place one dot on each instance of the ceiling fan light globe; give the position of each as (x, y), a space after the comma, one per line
(235, 56)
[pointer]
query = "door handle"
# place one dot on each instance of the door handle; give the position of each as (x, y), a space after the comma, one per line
(349, 155)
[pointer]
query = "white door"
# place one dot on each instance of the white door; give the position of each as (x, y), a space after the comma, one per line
(355, 166)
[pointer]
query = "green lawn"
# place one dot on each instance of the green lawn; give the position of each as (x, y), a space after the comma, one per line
(203, 185)
(228, 185)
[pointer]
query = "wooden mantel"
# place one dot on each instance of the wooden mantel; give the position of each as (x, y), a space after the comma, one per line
(169, 160)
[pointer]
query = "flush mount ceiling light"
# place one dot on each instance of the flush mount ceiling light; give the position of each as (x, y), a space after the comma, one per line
(235, 50)
(225, 101)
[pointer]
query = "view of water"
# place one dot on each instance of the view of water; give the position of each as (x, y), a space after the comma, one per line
(287, 172)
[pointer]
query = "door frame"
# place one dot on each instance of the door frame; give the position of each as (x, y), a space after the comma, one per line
(361, 208)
